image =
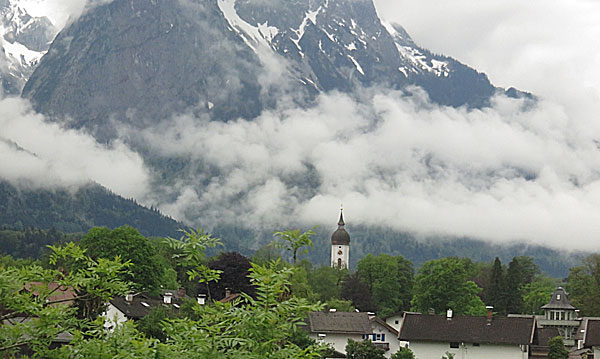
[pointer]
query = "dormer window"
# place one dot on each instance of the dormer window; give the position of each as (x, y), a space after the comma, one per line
(558, 297)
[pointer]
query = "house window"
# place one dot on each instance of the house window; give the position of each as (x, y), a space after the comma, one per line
(383, 337)
(475, 344)
(454, 345)
(397, 322)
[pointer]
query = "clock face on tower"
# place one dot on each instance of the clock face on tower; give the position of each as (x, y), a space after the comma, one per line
(340, 252)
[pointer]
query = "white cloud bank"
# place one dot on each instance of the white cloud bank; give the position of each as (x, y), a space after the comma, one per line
(38, 154)
(502, 173)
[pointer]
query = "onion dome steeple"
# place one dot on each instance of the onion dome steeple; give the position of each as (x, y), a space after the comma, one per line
(340, 236)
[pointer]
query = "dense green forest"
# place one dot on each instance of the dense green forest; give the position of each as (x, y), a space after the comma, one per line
(276, 294)
(94, 205)
(89, 206)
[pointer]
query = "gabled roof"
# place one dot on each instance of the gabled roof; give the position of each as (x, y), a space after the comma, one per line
(436, 328)
(142, 304)
(559, 300)
(59, 293)
(339, 322)
(543, 335)
(592, 333)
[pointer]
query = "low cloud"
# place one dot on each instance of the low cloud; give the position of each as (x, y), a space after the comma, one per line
(60, 12)
(514, 171)
(38, 154)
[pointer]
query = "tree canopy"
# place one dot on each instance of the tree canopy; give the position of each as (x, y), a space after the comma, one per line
(443, 284)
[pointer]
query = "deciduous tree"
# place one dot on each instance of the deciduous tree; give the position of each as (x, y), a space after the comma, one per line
(443, 284)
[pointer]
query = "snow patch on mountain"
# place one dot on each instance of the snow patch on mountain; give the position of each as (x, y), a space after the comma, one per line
(254, 36)
(24, 39)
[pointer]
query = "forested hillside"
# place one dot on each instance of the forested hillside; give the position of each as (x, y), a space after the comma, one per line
(87, 207)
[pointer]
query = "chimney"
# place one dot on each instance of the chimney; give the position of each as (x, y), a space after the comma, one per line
(201, 299)
(489, 314)
(227, 292)
(449, 314)
(167, 297)
(181, 292)
(129, 297)
(431, 311)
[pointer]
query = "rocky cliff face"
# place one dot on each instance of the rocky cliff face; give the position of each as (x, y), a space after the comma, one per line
(141, 61)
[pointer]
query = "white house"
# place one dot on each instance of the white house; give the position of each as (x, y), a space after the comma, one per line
(431, 336)
(335, 328)
(395, 320)
(383, 336)
(135, 306)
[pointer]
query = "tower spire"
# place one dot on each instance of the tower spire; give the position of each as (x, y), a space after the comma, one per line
(341, 221)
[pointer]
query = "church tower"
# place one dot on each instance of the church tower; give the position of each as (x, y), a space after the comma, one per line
(340, 245)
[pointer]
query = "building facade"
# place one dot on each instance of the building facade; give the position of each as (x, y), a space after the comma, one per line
(340, 246)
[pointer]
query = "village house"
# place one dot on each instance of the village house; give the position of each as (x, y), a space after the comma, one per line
(135, 306)
(432, 336)
(384, 336)
(590, 336)
(335, 328)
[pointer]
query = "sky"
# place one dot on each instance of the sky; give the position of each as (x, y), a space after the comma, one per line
(547, 47)
(395, 161)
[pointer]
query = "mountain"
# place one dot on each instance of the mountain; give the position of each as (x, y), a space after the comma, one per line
(139, 61)
(78, 211)
(136, 64)
(24, 40)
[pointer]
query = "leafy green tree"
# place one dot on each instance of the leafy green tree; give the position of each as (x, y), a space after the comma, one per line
(260, 327)
(390, 281)
(557, 349)
(443, 284)
(537, 293)
(403, 353)
(363, 350)
(293, 240)
(266, 254)
(583, 284)
(190, 252)
(151, 323)
(340, 305)
(32, 316)
(326, 281)
(127, 243)
(448, 356)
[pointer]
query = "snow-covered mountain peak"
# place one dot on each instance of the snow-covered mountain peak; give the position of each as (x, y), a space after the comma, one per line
(24, 39)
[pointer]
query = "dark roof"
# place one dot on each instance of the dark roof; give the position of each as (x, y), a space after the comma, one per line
(543, 335)
(435, 328)
(559, 300)
(340, 236)
(592, 333)
(142, 304)
(339, 322)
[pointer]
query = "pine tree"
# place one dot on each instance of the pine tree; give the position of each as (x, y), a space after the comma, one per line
(497, 289)
(514, 281)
